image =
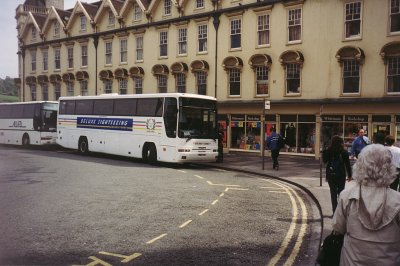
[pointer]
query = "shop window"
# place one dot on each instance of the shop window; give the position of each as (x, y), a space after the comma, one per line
(352, 124)
(332, 125)
(380, 128)
(397, 131)
(238, 132)
(299, 133)
(350, 59)
(292, 61)
(246, 132)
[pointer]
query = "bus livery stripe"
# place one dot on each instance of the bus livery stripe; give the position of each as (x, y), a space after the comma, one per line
(121, 124)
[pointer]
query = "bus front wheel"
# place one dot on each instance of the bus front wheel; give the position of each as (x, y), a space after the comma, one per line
(25, 140)
(83, 146)
(149, 153)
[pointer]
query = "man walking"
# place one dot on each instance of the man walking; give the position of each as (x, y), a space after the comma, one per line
(359, 143)
(395, 160)
(273, 143)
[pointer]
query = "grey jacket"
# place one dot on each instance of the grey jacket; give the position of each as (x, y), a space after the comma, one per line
(370, 219)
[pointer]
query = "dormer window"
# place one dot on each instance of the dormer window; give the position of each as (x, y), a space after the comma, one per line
(56, 28)
(33, 32)
(111, 18)
(199, 3)
(83, 23)
(167, 7)
(137, 12)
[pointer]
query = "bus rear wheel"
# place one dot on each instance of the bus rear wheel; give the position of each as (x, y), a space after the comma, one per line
(25, 140)
(149, 153)
(83, 145)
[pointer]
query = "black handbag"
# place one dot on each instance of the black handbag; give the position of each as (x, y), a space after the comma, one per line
(329, 254)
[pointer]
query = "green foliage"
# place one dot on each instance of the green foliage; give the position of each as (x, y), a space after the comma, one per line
(8, 90)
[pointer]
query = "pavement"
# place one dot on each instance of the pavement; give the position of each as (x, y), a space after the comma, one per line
(302, 171)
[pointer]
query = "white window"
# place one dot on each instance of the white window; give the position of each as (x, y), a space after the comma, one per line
(139, 48)
(182, 41)
(293, 72)
(45, 55)
(83, 23)
(111, 18)
(123, 86)
(263, 29)
(137, 12)
(294, 25)
(353, 20)
(108, 53)
(199, 4)
(167, 7)
(394, 16)
(234, 82)
(138, 85)
(108, 86)
(236, 33)
(57, 59)
(84, 87)
(393, 74)
(262, 80)
(70, 88)
(163, 43)
(351, 76)
(162, 83)
(70, 54)
(33, 61)
(33, 32)
(180, 82)
(45, 92)
(202, 38)
(57, 91)
(201, 82)
(84, 55)
(56, 28)
(124, 51)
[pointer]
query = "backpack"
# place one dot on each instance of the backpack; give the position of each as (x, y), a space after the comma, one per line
(335, 168)
(281, 142)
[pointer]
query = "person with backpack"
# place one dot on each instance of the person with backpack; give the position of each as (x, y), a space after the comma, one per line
(275, 143)
(337, 164)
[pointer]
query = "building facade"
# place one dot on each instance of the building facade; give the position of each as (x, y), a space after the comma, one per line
(326, 67)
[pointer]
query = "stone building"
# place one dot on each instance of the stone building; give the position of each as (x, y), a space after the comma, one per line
(326, 67)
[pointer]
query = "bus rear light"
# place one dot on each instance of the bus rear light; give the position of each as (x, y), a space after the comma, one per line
(183, 150)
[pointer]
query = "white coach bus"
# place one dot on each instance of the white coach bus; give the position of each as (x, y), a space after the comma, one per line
(28, 123)
(168, 127)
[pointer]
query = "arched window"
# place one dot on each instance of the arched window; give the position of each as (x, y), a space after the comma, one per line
(137, 74)
(233, 66)
(200, 70)
(292, 62)
(179, 70)
(161, 73)
(351, 59)
(391, 57)
(261, 64)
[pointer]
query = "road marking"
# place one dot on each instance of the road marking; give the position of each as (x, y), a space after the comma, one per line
(230, 188)
(199, 176)
(272, 187)
(279, 192)
(182, 171)
(214, 202)
(97, 261)
(185, 223)
(212, 184)
(125, 258)
(155, 239)
(203, 212)
(222, 194)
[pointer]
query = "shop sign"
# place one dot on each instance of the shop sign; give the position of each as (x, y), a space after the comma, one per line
(381, 118)
(238, 117)
(253, 118)
(306, 118)
(357, 118)
(332, 118)
(272, 118)
(222, 117)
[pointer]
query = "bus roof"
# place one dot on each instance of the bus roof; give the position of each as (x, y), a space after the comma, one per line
(151, 95)
(31, 102)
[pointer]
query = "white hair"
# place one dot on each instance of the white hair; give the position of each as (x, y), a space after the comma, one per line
(374, 166)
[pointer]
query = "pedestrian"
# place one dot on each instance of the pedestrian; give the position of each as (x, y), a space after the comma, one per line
(337, 165)
(379, 137)
(368, 213)
(220, 158)
(359, 143)
(274, 143)
(395, 151)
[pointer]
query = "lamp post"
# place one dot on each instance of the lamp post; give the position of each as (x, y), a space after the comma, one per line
(267, 106)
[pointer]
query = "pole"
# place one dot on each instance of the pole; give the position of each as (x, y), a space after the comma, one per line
(264, 134)
(320, 146)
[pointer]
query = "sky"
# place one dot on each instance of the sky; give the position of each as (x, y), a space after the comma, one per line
(8, 33)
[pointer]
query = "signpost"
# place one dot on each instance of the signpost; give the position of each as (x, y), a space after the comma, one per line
(267, 106)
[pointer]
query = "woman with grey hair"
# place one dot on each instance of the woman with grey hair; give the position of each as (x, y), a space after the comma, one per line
(368, 213)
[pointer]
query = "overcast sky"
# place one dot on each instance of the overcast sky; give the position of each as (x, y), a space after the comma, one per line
(8, 34)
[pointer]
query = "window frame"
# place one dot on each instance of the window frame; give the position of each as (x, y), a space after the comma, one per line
(163, 44)
(107, 84)
(111, 18)
(257, 71)
(391, 14)
(138, 85)
(233, 75)
(45, 60)
(294, 22)
(123, 46)
(139, 49)
(167, 7)
(343, 70)
(182, 41)
(162, 83)
(235, 29)
(202, 38)
(82, 23)
(84, 87)
(57, 59)
(201, 80)
(56, 26)
(352, 21)
(388, 64)
(84, 55)
(70, 57)
(33, 60)
(108, 53)
(137, 13)
(123, 86)
(180, 82)
(70, 88)
(263, 28)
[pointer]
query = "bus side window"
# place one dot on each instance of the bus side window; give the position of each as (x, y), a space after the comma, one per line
(170, 117)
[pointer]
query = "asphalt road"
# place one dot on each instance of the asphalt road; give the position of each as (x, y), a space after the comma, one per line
(61, 208)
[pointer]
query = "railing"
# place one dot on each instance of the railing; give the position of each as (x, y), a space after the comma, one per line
(33, 9)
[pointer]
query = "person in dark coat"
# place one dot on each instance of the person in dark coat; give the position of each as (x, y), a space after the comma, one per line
(336, 157)
(273, 145)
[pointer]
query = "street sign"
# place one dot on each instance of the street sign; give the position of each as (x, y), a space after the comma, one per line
(267, 105)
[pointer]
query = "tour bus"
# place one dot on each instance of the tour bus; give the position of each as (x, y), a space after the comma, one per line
(168, 127)
(26, 123)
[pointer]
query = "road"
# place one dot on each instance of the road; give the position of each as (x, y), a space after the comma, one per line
(61, 208)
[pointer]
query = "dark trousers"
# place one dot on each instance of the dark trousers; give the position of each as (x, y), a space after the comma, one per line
(395, 184)
(275, 155)
(335, 187)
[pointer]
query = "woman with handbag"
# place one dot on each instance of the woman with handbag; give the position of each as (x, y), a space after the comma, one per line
(368, 214)
(337, 164)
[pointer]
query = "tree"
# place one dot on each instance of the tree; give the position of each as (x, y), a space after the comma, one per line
(7, 87)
